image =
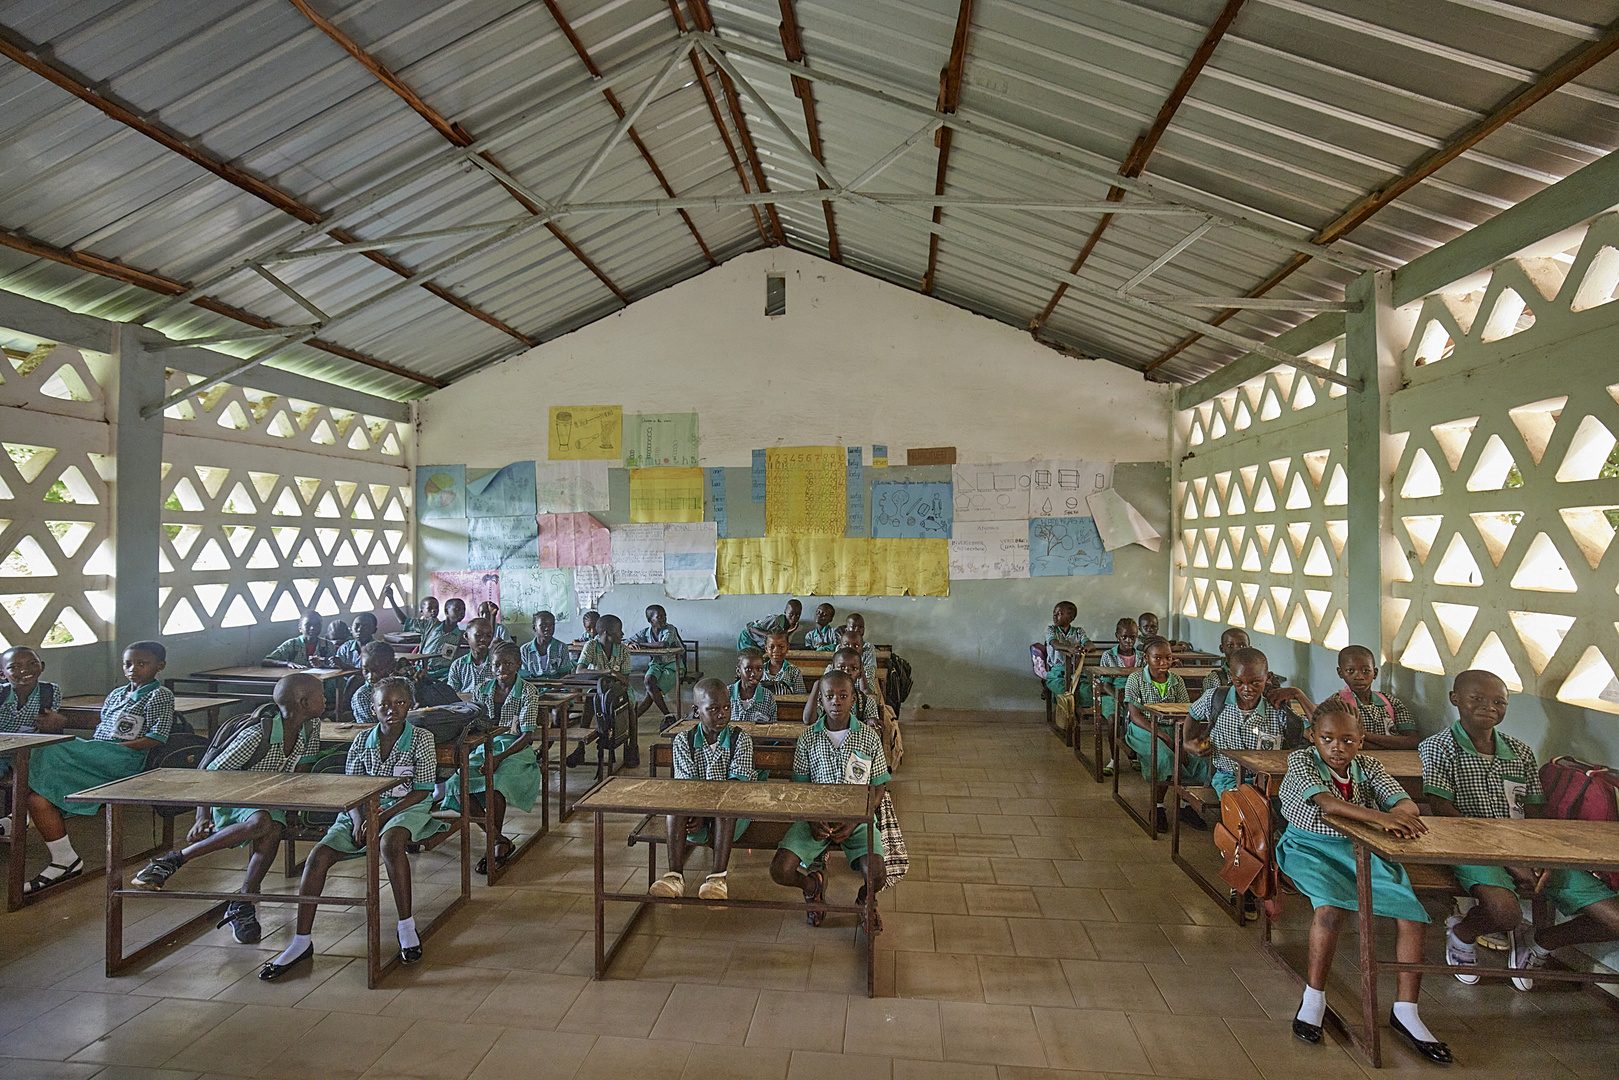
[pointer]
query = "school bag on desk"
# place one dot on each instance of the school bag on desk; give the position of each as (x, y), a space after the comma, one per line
(1579, 791)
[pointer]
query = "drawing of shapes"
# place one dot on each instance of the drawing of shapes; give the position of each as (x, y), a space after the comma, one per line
(524, 593)
(915, 511)
(1002, 482)
(472, 586)
(1066, 546)
(1042, 479)
(441, 491)
(503, 492)
(1068, 479)
(497, 542)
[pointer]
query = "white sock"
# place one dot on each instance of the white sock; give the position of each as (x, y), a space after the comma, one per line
(1457, 943)
(1406, 1013)
(300, 942)
(62, 854)
(439, 790)
(407, 933)
(1542, 953)
(717, 874)
(1314, 1006)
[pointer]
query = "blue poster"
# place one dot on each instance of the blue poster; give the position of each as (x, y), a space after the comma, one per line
(915, 511)
(758, 476)
(441, 491)
(716, 500)
(1064, 547)
(503, 492)
(855, 492)
(503, 543)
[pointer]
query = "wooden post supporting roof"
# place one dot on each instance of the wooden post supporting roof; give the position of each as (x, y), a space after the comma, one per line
(949, 101)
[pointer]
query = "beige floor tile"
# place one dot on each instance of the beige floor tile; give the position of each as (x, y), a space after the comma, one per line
(211, 969)
(253, 1033)
(150, 1038)
(937, 976)
(1206, 991)
(931, 897)
(982, 934)
(73, 1025)
(799, 1021)
(616, 1007)
(1025, 872)
(1055, 938)
(1001, 900)
(1022, 980)
(706, 1014)
(810, 1065)
(441, 993)
(1081, 874)
(974, 805)
(1066, 903)
(1090, 1039)
(907, 1028)
(695, 960)
(957, 824)
(1191, 1046)
(534, 1055)
(615, 1058)
(1007, 825)
(1271, 1046)
(530, 999)
(18, 1069)
(1026, 846)
(346, 992)
(1145, 905)
(969, 868)
(736, 1063)
(1116, 985)
(770, 966)
(342, 1046)
(906, 930)
(990, 1034)
(18, 1008)
(431, 1050)
(1142, 942)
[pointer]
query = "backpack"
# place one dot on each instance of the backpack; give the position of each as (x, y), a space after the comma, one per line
(900, 682)
(264, 718)
(48, 696)
(1579, 791)
(184, 750)
(1037, 657)
(1378, 695)
(1243, 835)
(432, 692)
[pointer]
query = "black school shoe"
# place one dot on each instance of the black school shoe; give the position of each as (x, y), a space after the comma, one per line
(1160, 819)
(1310, 1033)
(271, 971)
(1433, 1051)
(411, 954)
(1193, 820)
(243, 921)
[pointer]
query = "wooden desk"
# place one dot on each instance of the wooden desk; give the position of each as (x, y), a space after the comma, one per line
(1191, 675)
(1401, 764)
(559, 698)
(17, 747)
(88, 707)
(1544, 844)
(253, 682)
(1171, 711)
(298, 792)
(781, 734)
(768, 801)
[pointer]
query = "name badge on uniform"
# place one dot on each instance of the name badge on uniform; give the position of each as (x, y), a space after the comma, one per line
(1264, 740)
(129, 725)
(857, 769)
(1517, 797)
(448, 651)
(399, 791)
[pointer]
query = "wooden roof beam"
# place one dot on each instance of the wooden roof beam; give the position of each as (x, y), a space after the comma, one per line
(949, 99)
(792, 40)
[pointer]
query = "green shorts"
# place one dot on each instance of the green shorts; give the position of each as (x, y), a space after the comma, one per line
(1569, 890)
(1194, 769)
(224, 819)
(664, 676)
(701, 835)
(799, 841)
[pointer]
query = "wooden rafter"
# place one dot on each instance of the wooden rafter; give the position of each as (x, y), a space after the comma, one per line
(1135, 162)
(1570, 67)
(456, 135)
(792, 40)
(949, 99)
(164, 286)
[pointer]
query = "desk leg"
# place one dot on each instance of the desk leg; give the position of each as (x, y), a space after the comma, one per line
(601, 905)
(19, 829)
(115, 881)
(1369, 1033)
(373, 896)
(869, 914)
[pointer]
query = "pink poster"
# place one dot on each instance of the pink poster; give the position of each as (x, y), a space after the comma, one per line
(573, 540)
(472, 586)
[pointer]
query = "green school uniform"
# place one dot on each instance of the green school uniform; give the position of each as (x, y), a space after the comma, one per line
(517, 778)
(129, 713)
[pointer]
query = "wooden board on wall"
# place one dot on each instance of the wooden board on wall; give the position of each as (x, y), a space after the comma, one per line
(931, 455)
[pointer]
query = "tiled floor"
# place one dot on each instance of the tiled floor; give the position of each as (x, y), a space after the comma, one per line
(1039, 934)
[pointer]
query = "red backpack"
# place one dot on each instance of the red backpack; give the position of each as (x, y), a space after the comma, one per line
(1579, 791)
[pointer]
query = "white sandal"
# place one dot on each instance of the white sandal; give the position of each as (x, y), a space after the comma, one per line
(40, 882)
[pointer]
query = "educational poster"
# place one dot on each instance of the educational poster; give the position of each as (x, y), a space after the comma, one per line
(523, 593)
(570, 487)
(716, 500)
(805, 491)
(879, 456)
(586, 432)
(495, 543)
(472, 586)
(590, 584)
(833, 566)
(915, 567)
(441, 491)
(653, 440)
(443, 542)
(572, 540)
(854, 485)
(1060, 488)
(1015, 490)
(638, 554)
(689, 561)
(758, 476)
(1065, 546)
(1119, 523)
(666, 495)
(915, 511)
(503, 492)
(989, 550)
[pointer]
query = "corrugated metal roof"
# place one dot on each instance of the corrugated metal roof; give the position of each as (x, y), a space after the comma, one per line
(1304, 108)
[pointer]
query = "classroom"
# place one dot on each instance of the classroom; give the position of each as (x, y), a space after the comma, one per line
(1139, 477)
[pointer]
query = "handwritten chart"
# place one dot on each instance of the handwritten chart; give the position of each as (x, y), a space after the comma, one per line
(573, 540)
(989, 550)
(855, 491)
(494, 543)
(660, 439)
(638, 554)
(472, 586)
(805, 491)
(503, 492)
(584, 432)
(568, 487)
(689, 561)
(716, 500)
(666, 495)
(834, 566)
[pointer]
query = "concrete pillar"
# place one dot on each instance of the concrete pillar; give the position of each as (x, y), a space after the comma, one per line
(137, 500)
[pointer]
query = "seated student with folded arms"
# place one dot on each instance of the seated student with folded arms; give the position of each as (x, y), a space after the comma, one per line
(1123, 654)
(1151, 685)
(365, 632)
(426, 613)
(513, 707)
(824, 636)
(753, 635)
(1242, 716)
(751, 701)
(1062, 631)
(476, 667)
(662, 672)
(395, 748)
(1472, 769)
(1334, 777)
(376, 664)
(445, 636)
(781, 675)
(715, 749)
(491, 611)
(545, 656)
(605, 654)
(136, 717)
(1147, 626)
(837, 749)
(1387, 721)
(293, 738)
(307, 650)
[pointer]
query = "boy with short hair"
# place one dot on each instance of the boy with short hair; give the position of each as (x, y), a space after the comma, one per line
(1386, 719)
(781, 676)
(824, 636)
(605, 653)
(1234, 639)
(476, 667)
(444, 637)
(714, 749)
(835, 750)
(751, 701)
(1150, 685)
(662, 672)
(867, 709)
(377, 665)
(426, 613)
(1243, 716)
(1472, 769)
(545, 656)
(753, 635)
(1147, 625)
(293, 739)
(307, 650)
(1062, 631)
(365, 632)
(26, 704)
(853, 636)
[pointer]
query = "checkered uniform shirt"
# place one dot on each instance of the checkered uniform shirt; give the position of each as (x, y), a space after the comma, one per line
(1452, 769)
(467, 674)
(18, 716)
(770, 624)
(361, 706)
(1374, 715)
(668, 636)
(824, 638)
(1233, 729)
(818, 760)
(235, 756)
(1308, 776)
(414, 750)
(349, 651)
(729, 757)
(554, 661)
(1139, 690)
(151, 706)
(434, 642)
(1113, 658)
(868, 710)
(295, 650)
(1220, 676)
(758, 709)
(520, 711)
(595, 657)
(789, 680)
(1074, 636)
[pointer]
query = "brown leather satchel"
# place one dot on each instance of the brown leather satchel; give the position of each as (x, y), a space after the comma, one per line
(1243, 837)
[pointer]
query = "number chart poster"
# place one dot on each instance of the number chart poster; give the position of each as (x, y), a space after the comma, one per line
(1066, 546)
(660, 440)
(586, 432)
(805, 490)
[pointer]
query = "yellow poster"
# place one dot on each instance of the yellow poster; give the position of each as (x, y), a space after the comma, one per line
(834, 566)
(804, 491)
(666, 495)
(586, 432)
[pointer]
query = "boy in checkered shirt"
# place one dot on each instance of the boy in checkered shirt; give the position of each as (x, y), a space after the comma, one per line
(1473, 770)
(715, 749)
(1388, 722)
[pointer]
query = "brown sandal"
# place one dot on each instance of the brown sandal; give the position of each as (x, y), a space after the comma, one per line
(814, 893)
